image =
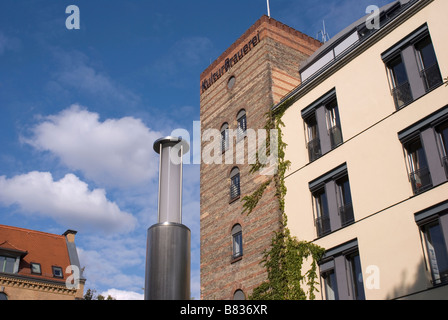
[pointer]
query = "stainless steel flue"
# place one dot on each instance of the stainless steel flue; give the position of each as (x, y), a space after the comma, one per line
(168, 243)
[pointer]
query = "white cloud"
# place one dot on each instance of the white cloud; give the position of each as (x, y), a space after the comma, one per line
(113, 262)
(122, 295)
(116, 152)
(68, 201)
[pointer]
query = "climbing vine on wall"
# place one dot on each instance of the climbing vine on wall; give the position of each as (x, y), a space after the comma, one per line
(285, 257)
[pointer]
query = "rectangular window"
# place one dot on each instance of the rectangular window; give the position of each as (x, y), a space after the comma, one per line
(433, 225)
(323, 125)
(332, 201)
(57, 272)
(321, 206)
(442, 137)
(35, 268)
(437, 253)
(345, 201)
(419, 171)
(314, 151)
(331, 286)
(428, 64)
(334, 123)
(401, 88)
(356, 279)
(425, 144)
(412, 67)
(7, 264)
(341, 273)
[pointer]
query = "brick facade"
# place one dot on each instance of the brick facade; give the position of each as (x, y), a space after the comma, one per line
(264, 62)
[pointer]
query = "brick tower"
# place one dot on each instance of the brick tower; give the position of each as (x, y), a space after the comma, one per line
(236, 91)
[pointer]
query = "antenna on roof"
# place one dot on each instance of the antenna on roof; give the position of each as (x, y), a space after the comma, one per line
(269, 9)
(323, 33)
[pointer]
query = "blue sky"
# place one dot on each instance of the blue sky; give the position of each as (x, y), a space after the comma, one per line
(80, 110)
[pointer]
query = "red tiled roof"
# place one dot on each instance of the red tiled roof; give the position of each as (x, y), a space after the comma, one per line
(44, 248)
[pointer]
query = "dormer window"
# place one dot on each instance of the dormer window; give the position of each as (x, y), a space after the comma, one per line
(35, 268)
(10, 257)
(57, 272)
(7, 264)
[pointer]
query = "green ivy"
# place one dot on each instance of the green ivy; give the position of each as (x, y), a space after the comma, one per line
(284, 259)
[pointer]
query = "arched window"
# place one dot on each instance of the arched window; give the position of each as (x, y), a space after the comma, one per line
(239, 295)
(3, 296)
(231, 82)
(224, 137)
(235, 190)
(242, 124)
(237, 241)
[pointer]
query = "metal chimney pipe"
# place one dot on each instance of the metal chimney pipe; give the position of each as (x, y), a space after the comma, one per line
(169, 241)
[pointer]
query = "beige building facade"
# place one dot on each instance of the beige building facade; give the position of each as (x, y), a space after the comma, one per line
(367, 137)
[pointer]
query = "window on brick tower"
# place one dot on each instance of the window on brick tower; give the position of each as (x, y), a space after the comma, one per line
(224, 137)
(242, 124)
(235, 190)
(237, 241)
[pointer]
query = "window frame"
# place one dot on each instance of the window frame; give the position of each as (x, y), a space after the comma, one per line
(405, 93)
(328, 183)
(435, 215)
(337, 261)
(312, 138)
(241, 120)
(225, 137)
(426, 131)
(35, 264)
(322, 219)
(235, 184)
(421, 63)
(54, 271)
(322, 133)
(417, 162)
(333, 122)
(237, 242)
(4, 263)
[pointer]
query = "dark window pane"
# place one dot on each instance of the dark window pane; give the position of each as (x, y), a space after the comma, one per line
(235, 186)
(357, 279)
(334, 124)
(442, 132)
(398, 71)
(322, 213)
(331, 286)
(443, 136)
(237, 245)
(427, 53)
(437, 252)
(345, 201)
(428, 63)
(420, 175)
